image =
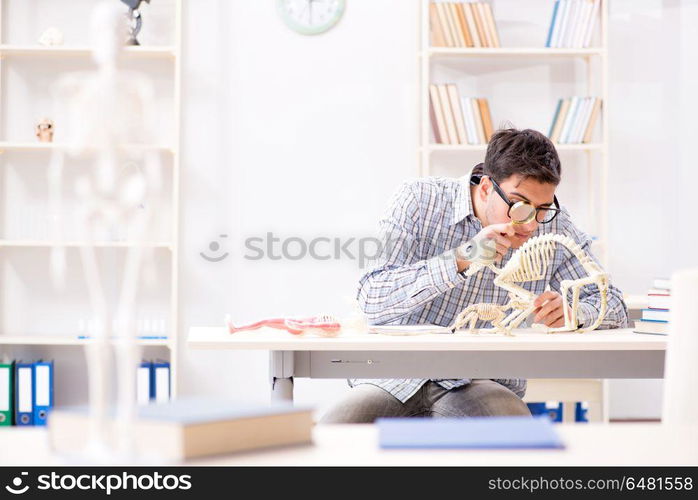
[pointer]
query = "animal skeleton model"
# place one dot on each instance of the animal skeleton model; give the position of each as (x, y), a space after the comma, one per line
(530, 263)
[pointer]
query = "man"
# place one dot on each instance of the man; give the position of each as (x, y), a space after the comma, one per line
(420, 274)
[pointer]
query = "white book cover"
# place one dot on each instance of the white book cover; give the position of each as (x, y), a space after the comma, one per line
(457, 112)
(560, 23)
(569, 120)
(592, 104)
(580, 34)
(448, 114)
(467, 106)
(578, 127)
(592, 24)
(572, 133)
(572, 26)
(479, 126)
(583, 119)
(556, 23)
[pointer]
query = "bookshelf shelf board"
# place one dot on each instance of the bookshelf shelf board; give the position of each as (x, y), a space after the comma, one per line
(83, 51)
(512, 52)
(55, 340)
(81, 244)
(11, 146)
(483, 147)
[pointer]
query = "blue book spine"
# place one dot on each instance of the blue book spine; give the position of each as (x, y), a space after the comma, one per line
(42, 382)
(555, 117)
(552, 23)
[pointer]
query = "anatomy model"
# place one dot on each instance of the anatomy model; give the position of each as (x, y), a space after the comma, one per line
(530, 263)
(104, 112)
(323, 325)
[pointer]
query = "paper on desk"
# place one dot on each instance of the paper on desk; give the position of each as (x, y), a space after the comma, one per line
(408, 329)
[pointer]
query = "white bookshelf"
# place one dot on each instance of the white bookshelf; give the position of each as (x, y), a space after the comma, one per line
(594, 81)
(64, 58)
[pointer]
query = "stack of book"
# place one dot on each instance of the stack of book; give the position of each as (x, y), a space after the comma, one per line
(572, 24)
(462, 25)
(655, 319)
(458, 120)
(574, 120)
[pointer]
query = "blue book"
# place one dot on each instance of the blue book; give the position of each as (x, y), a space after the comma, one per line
(468, 432)
(552, 23)
(555, 116)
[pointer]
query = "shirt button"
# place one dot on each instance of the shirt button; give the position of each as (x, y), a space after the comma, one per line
(451, 285)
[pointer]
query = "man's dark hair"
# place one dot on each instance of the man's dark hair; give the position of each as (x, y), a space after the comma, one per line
(527, 153)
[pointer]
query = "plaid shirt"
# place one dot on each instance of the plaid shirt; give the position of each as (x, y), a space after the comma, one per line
(415, 279)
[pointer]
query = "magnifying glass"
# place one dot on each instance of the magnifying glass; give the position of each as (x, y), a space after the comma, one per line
(522, 212)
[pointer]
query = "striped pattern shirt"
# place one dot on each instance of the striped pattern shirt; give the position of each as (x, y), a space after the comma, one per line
(415, 279)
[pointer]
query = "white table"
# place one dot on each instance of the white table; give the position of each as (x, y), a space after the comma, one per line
(585, 444)
(358, 354)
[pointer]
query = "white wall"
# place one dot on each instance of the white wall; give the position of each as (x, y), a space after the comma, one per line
(300, 136)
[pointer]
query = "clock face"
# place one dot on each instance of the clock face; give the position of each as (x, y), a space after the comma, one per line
(311, 17)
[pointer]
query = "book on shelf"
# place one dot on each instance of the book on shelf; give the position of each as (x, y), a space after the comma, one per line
(574, 120)
(462, 24)
(651, 327)
(661, 284)
(572, 23)
(658, 299)
(655, 315)
(458, 119)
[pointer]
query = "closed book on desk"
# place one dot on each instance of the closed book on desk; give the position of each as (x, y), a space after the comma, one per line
(472, 432)
(652, 327)
(188, 428)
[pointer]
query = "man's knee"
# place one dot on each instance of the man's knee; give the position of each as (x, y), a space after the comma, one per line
(363, 404)
(481, 398)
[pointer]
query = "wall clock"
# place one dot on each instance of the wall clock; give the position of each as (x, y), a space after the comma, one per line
(311, 17)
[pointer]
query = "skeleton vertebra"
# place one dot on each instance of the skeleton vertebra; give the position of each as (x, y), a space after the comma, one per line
(530, 263)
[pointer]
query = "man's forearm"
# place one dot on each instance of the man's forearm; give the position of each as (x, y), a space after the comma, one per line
(387, 294)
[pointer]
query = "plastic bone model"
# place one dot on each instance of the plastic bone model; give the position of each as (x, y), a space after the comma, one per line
(110, 196)
(530, 263)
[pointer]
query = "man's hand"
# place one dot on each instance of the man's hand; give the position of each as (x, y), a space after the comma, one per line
(550, 309)
(492, 242)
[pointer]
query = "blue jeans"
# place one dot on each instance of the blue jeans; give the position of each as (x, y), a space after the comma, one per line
(482, 397)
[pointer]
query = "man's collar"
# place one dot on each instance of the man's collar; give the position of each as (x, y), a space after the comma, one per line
(463, 203)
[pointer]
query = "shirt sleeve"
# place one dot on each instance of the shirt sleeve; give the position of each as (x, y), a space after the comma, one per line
(400, 281)
(589, 295)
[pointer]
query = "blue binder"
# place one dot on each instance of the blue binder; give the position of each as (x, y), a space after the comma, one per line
(160, 381)
(24, 393)
(43, 391)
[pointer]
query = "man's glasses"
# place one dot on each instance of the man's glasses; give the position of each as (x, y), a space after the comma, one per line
(523, 212)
